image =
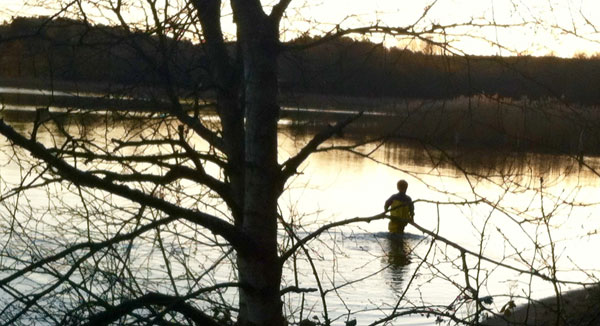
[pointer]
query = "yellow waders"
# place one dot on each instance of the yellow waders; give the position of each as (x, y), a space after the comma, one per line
(400, 216)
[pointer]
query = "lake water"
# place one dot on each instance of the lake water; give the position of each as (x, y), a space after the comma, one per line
(504, 227)
(495, 204)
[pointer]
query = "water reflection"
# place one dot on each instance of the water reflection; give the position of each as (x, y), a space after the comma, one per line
(397, 255)
(339, 184)
(439, 157)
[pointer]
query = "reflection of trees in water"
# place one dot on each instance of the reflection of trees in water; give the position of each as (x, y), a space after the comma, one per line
(397, 256)
(485, 162)
(488, 161)
(467, 124)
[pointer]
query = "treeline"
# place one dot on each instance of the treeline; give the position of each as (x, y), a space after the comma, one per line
(74, 51)
(348, 67)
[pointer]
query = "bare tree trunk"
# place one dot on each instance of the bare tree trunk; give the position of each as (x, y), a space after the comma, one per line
(250, 142)
(260, 272)
(232, 121)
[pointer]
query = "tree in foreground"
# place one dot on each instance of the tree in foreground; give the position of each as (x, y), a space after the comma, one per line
(156, 178)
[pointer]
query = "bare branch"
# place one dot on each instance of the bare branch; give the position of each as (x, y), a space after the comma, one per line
(324, 228)
(339, 32)
(279, 9)
(92, 246)
(296, 289)
(290, 166)
(171, 303)
(495, 262)
(175, 172)
(209, 13)
(82, 178)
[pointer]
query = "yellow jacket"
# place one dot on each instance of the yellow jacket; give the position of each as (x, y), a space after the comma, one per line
(401, 212)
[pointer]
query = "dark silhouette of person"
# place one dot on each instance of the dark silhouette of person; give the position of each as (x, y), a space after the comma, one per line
(401, 209)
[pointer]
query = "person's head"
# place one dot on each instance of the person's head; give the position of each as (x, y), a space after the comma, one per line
(402, 186)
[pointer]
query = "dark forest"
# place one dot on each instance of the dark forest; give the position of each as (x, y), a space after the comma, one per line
(63, 50)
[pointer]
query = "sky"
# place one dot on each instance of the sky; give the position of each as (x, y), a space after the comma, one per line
(503, 27)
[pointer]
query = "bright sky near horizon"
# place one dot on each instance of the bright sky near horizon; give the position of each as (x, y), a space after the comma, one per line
(535, 27)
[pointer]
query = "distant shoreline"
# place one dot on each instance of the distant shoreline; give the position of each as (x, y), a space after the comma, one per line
(479, 122)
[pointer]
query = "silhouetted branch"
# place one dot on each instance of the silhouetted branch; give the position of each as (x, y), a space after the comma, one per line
(169, 302)
(490, 260)
(290, 166)
(82, 178)
(209, 14)
(324, 228)
(410, 30)
(296, 289)
(93, 247)
(279, 9)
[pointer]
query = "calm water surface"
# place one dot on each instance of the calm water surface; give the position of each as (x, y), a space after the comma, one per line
(515, 187)
(364, 272)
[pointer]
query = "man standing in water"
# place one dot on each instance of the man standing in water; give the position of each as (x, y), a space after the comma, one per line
(401, 209)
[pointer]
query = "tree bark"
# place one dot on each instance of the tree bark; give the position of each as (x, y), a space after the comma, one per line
(225, 76)
(259, 270)
(249, 113)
